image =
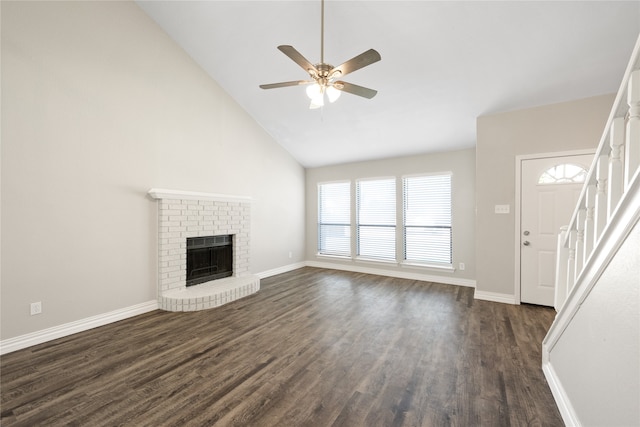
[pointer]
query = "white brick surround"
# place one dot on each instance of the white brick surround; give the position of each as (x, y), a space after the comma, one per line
(183, 214)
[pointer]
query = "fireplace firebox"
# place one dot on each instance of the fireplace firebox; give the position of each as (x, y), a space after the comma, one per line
(209, 258)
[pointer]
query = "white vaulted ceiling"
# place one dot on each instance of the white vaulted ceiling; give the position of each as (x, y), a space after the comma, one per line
(444, 63)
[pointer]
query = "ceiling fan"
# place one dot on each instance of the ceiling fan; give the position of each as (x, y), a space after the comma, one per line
(325, 76)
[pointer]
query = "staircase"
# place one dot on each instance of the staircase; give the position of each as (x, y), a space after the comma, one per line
(591, 354)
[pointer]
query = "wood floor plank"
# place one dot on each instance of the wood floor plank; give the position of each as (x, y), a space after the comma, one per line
(313, 348)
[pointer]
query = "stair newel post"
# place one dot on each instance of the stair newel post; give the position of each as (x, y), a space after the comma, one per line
(562, 259)
(632, 143)
(571, 261)
(580, 220)
(616, 165)
(600, 214)
(589, 226)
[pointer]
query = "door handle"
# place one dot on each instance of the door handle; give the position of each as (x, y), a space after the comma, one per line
(526, 243)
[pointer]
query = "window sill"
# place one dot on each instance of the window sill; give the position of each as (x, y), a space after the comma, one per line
(376, 261)
(443, 268)
(336, 257)
(438, 267)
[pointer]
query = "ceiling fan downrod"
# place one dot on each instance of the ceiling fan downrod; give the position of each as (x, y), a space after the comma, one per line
(322, 31)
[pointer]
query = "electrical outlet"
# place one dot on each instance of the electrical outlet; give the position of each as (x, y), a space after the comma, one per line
(290, 254)
(36, 308)
(461, 266)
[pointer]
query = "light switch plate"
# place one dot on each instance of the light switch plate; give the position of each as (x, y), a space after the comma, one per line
(502, 209)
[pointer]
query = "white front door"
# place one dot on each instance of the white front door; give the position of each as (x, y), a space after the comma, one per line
(550, 188)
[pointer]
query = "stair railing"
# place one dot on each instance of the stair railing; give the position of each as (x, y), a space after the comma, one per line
(611, 185)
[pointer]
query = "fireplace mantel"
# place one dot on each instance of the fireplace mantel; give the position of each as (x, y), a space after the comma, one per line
(161, 193)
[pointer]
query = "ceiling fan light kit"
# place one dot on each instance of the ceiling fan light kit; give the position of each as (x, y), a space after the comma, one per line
(325, 76)
(316, 94)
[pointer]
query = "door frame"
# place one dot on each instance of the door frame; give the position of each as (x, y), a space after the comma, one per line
(517, 219)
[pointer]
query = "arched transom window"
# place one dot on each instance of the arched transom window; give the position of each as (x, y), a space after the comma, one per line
(566, 173)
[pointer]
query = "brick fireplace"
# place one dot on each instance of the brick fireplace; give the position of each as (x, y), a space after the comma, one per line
(186, 214)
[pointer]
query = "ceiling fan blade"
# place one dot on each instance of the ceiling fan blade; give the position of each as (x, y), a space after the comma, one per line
(286, 84)
(355, 89)
(360, 61)
(297, 57)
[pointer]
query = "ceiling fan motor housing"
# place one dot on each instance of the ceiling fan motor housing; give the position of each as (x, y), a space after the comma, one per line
(323, 73)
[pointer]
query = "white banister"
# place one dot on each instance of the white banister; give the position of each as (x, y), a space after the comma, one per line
(632, 153)
(612, 174)
(616, 171)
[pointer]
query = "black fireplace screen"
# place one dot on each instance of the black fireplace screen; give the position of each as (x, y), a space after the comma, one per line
(209, 258)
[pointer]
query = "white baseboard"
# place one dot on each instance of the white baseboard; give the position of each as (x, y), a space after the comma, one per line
(280, 270)
(39, 337)
(495, 297)
(562, 400)
(393, 273)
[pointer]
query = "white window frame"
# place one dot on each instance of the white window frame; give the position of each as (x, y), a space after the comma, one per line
(577, 178)
(348, 225)
(394, 227)
(427, 263)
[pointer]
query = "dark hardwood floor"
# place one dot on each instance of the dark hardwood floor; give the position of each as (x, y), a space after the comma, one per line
(313, 348)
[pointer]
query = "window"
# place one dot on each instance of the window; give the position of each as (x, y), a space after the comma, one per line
(334, 219)
(427, 218)
(376, 219)
(566, 173)
(424, 215)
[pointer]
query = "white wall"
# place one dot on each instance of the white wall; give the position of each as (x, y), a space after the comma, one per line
(597, 357)
(99, 106)
(500, 138)
(460, 163)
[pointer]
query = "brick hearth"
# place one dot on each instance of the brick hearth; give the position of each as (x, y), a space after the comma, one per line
(183, 214)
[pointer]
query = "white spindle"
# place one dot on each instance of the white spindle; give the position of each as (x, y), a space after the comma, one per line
(562, 258)
(580, 219)
(600, 218)
(616, 170)
(571, 261)
(589, 227)
(632, 143)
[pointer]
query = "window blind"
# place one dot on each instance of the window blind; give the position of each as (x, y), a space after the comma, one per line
(427, 218)
(334, 219)
(376, 218)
